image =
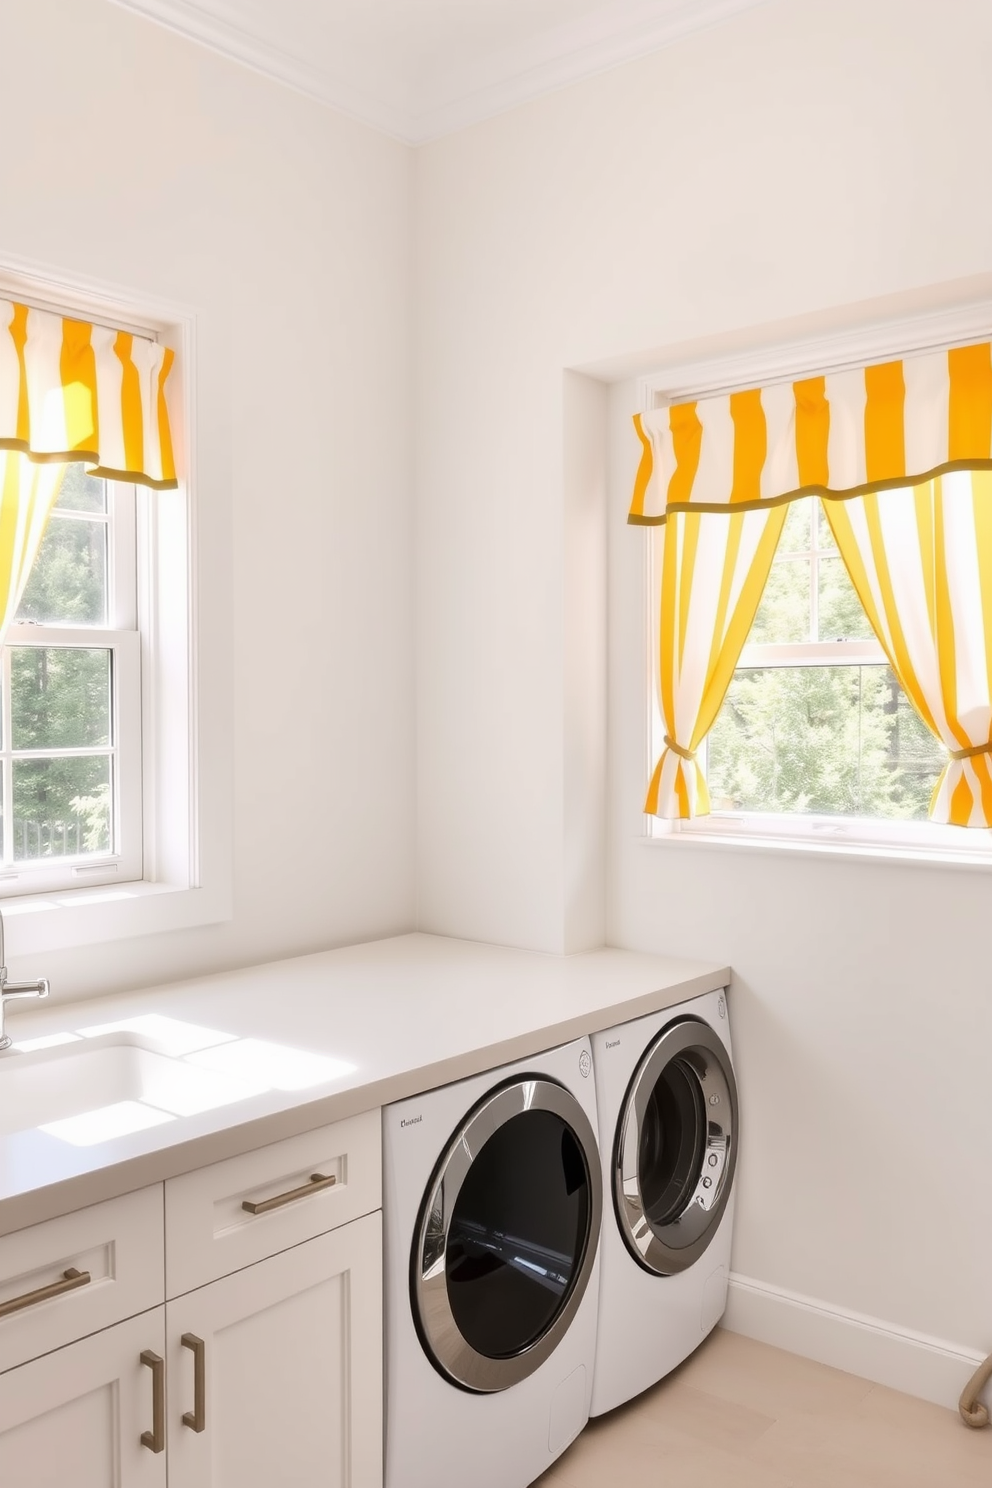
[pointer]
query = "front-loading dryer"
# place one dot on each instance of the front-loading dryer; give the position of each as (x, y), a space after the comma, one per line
(669, 1133)
(492, 1209)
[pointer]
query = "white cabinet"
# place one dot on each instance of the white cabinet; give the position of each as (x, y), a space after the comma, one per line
(72, 1276)
(263, 1368)
(233, 1213)
(77, 1416)
(288, 1353)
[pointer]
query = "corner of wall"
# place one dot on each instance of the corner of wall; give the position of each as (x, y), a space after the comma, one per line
(584, 429)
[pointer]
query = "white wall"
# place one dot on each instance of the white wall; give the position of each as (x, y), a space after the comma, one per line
(807, 164)
(795, 162)
(138, 159)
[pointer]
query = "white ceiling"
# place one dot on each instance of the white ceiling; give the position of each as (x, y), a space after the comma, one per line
(421, 68)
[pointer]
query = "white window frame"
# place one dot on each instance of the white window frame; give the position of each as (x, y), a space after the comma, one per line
(119, 635)
(920, 841)
(185, 876)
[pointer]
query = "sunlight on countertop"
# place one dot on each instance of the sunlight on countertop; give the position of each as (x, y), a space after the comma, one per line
(157, 1068)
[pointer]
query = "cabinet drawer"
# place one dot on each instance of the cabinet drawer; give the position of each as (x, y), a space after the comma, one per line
(117, 1250)
(234, 1213)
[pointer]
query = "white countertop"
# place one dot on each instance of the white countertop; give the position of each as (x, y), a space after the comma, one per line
(397, 1017)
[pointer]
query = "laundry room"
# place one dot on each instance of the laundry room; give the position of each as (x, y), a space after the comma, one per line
(419, 273)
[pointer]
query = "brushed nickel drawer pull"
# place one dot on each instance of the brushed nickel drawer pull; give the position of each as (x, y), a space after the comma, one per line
(154, 1440)
(196, 1419)
(71, 1281)
(317, 1183)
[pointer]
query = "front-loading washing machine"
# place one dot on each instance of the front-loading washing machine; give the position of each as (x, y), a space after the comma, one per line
(669, 1133)
(492, 1208)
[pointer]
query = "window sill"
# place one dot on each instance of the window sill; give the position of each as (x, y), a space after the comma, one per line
(849, 849)
(94, 915)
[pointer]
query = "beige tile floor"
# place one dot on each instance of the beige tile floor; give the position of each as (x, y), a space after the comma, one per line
(740, 1414)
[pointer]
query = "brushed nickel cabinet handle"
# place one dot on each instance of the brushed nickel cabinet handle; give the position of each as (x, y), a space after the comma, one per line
(196, 1419)
(317, 1183)
(71, 1281)
(154, 1440)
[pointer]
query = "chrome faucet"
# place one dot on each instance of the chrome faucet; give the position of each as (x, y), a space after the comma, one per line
(11, 991)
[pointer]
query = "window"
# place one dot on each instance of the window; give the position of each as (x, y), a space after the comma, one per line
(776, 712)
(814, 722)
(115, 763)
(816, 740)
(167, 865)
(70, 705)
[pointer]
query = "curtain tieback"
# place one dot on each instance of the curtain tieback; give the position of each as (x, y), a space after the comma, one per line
(960, 754)
(690, 754)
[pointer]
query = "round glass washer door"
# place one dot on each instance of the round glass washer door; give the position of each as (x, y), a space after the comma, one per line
(676, 1148)
(507, 1235)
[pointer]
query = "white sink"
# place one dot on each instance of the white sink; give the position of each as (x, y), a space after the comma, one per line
(103, 1081)
(92, 1094)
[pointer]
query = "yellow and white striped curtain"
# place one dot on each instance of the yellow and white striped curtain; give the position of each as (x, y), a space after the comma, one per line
(713, 572)
(848, 436)
(27, 494)
(876, 427)
(74, 391)
(921, 561)
(71, 391)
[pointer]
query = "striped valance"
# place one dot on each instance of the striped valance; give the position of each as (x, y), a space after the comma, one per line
(74, 391)
(894, 424)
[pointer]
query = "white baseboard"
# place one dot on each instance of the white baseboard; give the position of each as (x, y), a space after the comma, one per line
(929, 1368)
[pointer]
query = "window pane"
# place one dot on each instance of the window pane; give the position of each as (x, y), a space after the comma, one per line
(840, 740)
(61, 806)
(68, 583)
(60, 697)
(783, 614)
(796, 531)
(824, 537)
(916, 754)
(81, 492)
(841, 615)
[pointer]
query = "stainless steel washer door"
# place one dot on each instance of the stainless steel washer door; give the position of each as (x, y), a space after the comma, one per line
(507, 1235)
(676, 1148)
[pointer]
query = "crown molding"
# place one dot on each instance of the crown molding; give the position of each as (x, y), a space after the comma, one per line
(525, 80)
(234, 43)
(519, 75)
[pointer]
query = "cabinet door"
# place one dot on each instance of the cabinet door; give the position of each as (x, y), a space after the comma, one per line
(76, 1416)
(289, 1352)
